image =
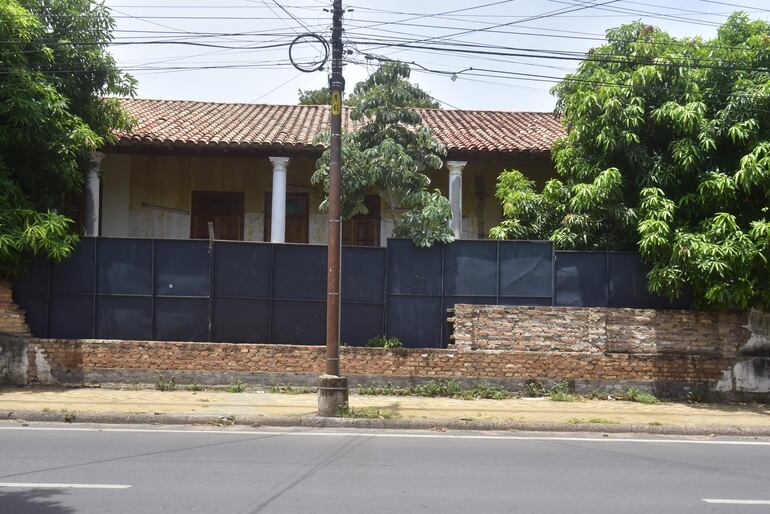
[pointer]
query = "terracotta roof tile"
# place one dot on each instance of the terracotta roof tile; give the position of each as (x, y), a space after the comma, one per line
(261, 125)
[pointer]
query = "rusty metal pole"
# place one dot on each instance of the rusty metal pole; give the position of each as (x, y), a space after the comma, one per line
(333, 389)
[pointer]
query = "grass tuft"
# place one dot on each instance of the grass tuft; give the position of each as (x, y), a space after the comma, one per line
(366, 412)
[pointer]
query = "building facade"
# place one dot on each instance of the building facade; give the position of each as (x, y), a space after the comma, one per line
(247, 169)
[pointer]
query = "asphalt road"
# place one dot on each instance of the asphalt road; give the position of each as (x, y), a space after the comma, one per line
(64, 469)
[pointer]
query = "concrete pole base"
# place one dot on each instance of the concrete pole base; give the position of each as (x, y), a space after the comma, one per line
(332, 395)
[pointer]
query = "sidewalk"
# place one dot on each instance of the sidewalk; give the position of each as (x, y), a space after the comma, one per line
(259, 407)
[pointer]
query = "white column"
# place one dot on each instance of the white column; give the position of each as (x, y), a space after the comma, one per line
(278, 214)
(456, 196)
(92, 189)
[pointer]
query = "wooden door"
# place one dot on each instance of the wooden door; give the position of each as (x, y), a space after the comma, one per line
(363, 229)
(297, 217)
(223, 208)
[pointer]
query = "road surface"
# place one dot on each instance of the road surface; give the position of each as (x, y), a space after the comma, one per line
(76, 468)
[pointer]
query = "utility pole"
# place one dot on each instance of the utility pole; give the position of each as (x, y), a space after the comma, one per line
(333, 389)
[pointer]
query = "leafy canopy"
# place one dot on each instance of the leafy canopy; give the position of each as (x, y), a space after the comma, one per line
(416, 97)
(52, 115)
(668, 151)
(390, 153)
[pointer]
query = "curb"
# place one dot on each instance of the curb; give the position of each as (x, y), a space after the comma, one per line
(387, 424)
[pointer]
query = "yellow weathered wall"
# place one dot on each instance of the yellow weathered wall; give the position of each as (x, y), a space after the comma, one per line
(481, 209)
(166, 183)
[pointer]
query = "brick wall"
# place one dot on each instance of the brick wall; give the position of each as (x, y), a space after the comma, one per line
(669, 352)
(12, 320)
(57, 357)
(599, 330)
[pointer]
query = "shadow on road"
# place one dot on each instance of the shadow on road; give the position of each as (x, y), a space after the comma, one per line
(32, 502)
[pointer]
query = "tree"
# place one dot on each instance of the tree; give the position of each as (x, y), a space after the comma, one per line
(667, 150)
(390, 152)
(320, 96)
(415, 96)
(54, 73)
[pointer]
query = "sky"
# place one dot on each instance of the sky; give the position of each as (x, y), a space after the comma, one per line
(238, 50)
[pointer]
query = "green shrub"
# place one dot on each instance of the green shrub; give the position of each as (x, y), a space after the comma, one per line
(164, 383)
(236, 386)
(534, 389)
(434, 388)
(635, 395)
(486, 392)
(384, 342)
(560, 392)
(195, 386)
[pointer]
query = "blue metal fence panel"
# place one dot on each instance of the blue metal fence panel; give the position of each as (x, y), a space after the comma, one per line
(194, 290)
(581, 279)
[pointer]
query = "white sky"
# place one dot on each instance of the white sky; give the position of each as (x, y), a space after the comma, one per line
(266, 76)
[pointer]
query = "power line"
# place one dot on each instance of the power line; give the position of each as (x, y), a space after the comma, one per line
(531, 18)
(734, 5)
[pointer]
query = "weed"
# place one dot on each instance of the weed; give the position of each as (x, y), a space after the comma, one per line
(534, 389)
(635, 395)
(384, 342)
(164, 383)
(384, 390)
(290, 389)
(560, 392)
(602, 421)
(438, 388)
(434, 388)
(655, 423)
(366, 412)
(697, 397)
(486, 392)
(236, 386)
(195, 386)
(69, 417)
(223, 421)
(596, 394)
(563, 397)
(596, 421)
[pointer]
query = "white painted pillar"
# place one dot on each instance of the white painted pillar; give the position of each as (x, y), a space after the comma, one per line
(92, 192)
(278, 213)
(456, 196)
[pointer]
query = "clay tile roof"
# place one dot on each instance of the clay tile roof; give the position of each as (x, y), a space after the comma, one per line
(295, 126)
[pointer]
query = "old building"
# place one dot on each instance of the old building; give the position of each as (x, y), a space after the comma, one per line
(248, 167)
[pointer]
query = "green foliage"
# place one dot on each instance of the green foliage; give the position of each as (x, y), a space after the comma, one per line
(561, 392)
(52, 118)
(390, 153)
(487, 392)
(435, 388)
(164, 383)
(236, 386)
(635, 395)
(384, 342)
(667, 151)
(438, 388)
(384, 390)
(366, 412)
(290, 389)
(195, 386)
(534, 389)
(698, 397)
(320, 96)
